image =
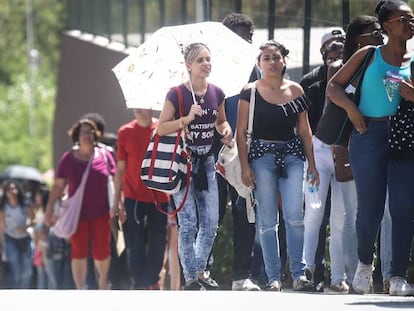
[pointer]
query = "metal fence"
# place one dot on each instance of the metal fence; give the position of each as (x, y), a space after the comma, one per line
(129, 21)
(120, 19)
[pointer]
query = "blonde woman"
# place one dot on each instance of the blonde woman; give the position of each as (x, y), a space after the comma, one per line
(203, 111)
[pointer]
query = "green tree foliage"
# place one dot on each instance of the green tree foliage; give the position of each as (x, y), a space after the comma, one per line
(17, 144)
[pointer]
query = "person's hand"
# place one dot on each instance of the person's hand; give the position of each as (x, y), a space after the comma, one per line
(312, 176)
(357, 119)
(407, 90)
(50, 219)
(21, 229)
(114, 211)
(122, 215)
(227, 136)
(195, 110)
(248, 177)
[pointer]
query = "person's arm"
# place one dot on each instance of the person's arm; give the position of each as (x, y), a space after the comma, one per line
(2, 224)
(167, 123)
(407, 90)
(304, 131)
(222, 126)
(55, 194)
(241, 138)
(335, 89)
(30, 215)
(117, 206)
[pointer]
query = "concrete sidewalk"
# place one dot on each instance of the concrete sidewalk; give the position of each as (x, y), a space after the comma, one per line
(45, 300)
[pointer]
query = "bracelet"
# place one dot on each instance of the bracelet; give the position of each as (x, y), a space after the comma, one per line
(182, 123)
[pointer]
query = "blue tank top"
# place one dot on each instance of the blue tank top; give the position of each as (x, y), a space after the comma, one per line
(380, 91)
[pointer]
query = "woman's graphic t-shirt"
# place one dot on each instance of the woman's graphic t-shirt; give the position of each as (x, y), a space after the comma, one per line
(202, 127)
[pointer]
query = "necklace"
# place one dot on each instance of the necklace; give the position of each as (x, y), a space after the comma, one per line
(201, 101)
(202, 93)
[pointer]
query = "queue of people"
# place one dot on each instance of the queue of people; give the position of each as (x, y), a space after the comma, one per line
(286, 154)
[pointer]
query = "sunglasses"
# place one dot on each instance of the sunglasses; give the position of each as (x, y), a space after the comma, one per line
(87, 133)
(374, 34)
(402, 19)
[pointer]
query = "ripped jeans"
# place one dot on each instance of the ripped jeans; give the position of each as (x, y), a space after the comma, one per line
(197, 223)
(268, 183)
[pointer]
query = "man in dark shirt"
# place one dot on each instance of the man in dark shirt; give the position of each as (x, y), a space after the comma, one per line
(243, 231)
(314, 82)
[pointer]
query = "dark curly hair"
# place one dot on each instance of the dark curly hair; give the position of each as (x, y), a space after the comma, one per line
(20, 195)
(355, 28)
(75, 130)
(234, 20)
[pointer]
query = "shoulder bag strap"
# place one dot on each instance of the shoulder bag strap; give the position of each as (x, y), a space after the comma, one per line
(188, 176)
(252, 103)
(86, 173)
(103, 151)
(361, 73)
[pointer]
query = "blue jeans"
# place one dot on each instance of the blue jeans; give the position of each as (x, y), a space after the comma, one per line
(197, 223)
(314, 217)
(19, 256)
(46, 274)
(373, 171)
(401, 205)
(350, 241)
(386, 242)
(145, 235)
(268, 184)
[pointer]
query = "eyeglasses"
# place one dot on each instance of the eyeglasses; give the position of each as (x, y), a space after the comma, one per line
(402, 19)
(375, 34)
(87, 133)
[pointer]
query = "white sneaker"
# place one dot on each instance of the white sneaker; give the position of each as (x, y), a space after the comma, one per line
(244, 284)
(274, 286)
(362, 282)
(400, 287)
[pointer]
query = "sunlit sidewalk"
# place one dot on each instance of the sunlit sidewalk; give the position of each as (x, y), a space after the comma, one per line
(201, 301)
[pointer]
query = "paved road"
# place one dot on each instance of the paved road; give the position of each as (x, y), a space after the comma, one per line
(45, 300)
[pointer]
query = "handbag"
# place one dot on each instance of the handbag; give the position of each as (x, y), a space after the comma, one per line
(228, 161)
(70, 208)
(334, 126)
(401, 132)
(110, 183)
(343, 172)
(166, 166)
(117, 234)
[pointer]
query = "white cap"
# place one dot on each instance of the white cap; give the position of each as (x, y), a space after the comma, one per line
(331, 34)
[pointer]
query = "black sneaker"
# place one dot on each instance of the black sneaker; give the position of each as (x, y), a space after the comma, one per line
(193, 286)
(208, 283)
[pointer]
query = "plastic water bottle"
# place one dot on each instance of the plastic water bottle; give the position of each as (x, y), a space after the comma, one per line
(313, 194)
